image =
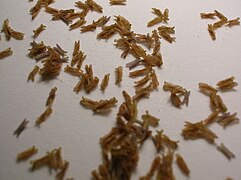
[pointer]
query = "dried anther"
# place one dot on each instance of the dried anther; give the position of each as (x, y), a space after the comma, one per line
(88, 81)
(217, 103)
(154, 167)
(51, 97)
(208, 15)
(53, 160)
(161, 17)
(175, 100)
(207, 89)
(165, 169)
(60, 175)
(149, 120)
(43, 116)
(33, 73)
(211, 31)
(117, 2)
(5, 53)
(34, 11)
(98, 106)
(176, 92)
(105, 82)
(118, 74)
(21, 127)
(165, 31)
(233, 22)
(140, 72)
(198, 131)
(52, 58)
(227, 119)
(73, 71)
(78, 55)
(182, 165)
(222, 21)
(211, 118)
(89, 5)
(107, 32)
(77, 24)
(220, 15)
(227, 83)
(161, 140)
(99, 23)
(40, 29)
(9, 32)
(27, 153)
(223, 149)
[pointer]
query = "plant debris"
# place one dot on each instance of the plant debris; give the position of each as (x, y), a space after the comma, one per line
(33, 73)
(217, 103)
(89, 5)
(118, 2)
(54, 161)
(154, 167)
(51, 97)
(161, 140)
(161, 17)
(149, 120)
(211, 118)
(198, 131)
(34, 11)
(43, 116)
(118, 74)
(207, 89)
(40, 29)
(223, 149)
(9, 32)
(105, 82)
(165, 170)
(211, 31)
(5, 53)
(165, 32)
(21, 127)
(99, 23)
(73, 71)
(227, 119)
(177, 92)
(223, 20)
(227, 84)
(52, 58)
(78, 56)
(182, 165)
(26, 154)
(88, 81)
(98, 106)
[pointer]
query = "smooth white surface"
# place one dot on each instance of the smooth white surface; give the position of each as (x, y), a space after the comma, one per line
(192, 59)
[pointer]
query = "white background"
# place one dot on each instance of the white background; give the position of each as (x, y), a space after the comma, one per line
(192, 59)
